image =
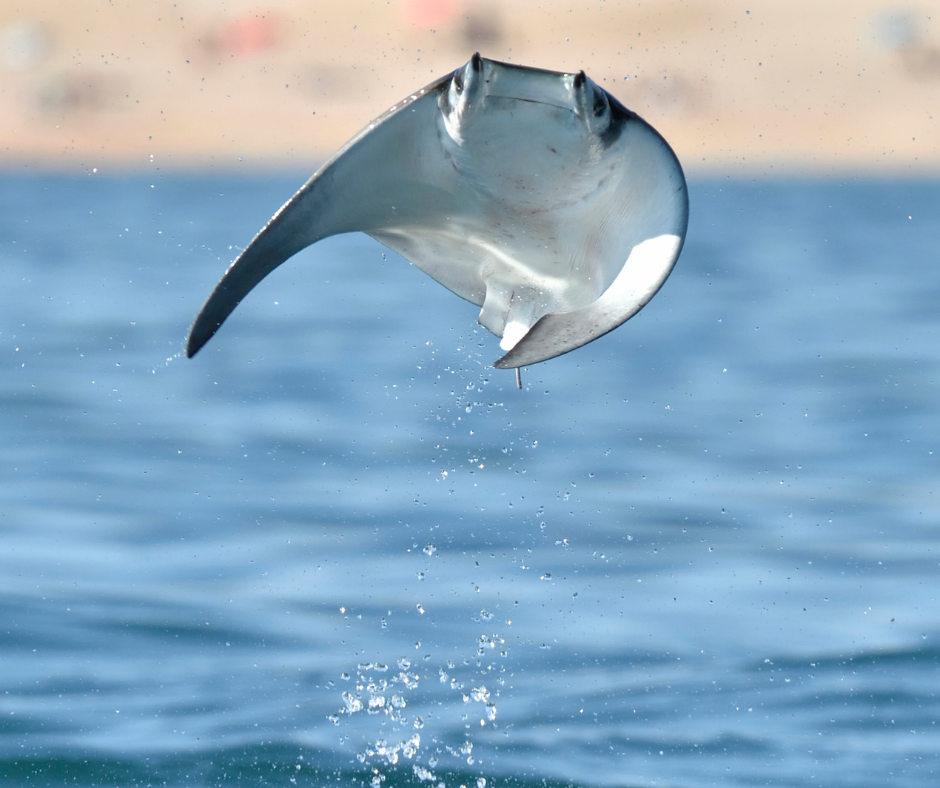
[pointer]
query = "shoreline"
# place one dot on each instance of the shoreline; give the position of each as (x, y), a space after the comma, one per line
(735, 90)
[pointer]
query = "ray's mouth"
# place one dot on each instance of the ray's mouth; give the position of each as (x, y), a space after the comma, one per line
(507, 81)
(527, 100)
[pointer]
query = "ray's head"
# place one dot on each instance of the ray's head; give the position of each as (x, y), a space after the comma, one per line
(479, 90)
(514, 131)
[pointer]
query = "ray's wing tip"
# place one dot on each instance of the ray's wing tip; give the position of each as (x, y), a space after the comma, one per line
(525, 353)
(192, 346)
(198, 337)
(518, 357)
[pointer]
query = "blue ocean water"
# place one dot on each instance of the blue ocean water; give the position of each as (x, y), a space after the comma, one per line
(338, 548)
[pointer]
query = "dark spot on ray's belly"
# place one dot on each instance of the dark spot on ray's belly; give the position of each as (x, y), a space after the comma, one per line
(553, 150)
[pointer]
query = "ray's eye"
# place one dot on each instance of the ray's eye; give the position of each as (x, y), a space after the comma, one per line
(458, 83)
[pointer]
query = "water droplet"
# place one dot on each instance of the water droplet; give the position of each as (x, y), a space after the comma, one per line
(353, 704)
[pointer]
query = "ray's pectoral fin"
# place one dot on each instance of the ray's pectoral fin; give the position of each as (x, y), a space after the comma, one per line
(360, 188)
(289, 231)
(556, 333)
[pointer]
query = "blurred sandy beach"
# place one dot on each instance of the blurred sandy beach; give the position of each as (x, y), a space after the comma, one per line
(738, 87)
